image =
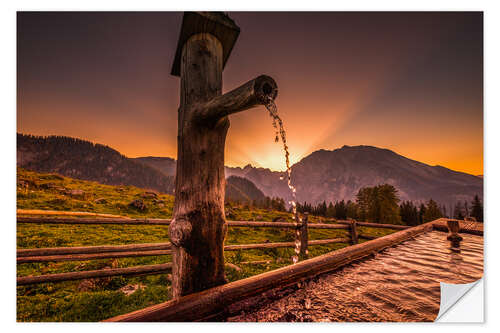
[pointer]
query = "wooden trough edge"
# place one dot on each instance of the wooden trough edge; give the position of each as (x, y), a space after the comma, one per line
(206, 304)
(138, 270)
(441, 227)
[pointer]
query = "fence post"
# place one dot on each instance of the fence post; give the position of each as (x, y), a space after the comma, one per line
(354, 232)
(304, 253)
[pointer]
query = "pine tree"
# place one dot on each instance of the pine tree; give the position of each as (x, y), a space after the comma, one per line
(363, 199)
(340, 210)
(352, 210)
(421, 213)
(388, 208)
(378, 204)
(477, 209)
(458, 211)
(330, 211)
(432, 211)
(409, 213)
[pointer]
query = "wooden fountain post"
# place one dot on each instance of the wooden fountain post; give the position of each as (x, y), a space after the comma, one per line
(199, 227)
(453, 236)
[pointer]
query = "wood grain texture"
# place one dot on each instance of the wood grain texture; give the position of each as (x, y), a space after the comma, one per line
(166, 222)
(97, 221)
(304, 238)
(81, 257)
(138, 270)
(47, 251)
(238, 247)
(199, 227)
(353, 230)
(215, 23)
(376, 225)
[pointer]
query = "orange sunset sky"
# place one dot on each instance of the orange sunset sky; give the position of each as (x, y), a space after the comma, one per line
(410, 82)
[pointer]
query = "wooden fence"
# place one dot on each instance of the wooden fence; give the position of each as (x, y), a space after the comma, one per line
(56, 254)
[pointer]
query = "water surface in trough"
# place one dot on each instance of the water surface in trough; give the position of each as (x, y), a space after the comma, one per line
(399, 284)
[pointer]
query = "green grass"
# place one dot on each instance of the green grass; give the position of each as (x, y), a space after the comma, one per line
(81, 301)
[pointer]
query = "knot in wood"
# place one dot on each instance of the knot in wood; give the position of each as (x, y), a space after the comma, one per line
(180, 232)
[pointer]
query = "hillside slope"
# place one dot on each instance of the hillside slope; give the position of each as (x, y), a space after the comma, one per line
(88, 161)
(242, 190)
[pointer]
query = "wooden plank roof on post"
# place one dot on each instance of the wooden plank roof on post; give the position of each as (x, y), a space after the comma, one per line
(199, 227)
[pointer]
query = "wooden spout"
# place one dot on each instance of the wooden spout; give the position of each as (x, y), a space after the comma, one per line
(255, 92)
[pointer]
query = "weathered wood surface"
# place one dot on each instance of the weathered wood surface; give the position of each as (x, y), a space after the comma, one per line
(47, 251)
(303, 237)
(118, 221)
(282, 244)
(466, 227)
(353, 230)
(211, 302)
(81, 257)
(247, 96)
(377, 225)
(135, 250)
(59, 212)
(254, 224)
(251, 224)
(256, 262)
(327, 226)
(199, 226)
(216, 24)
(475, 232)
(328, 241)
(138, 270)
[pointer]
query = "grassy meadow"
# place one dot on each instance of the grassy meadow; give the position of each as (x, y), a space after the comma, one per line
(98, 299)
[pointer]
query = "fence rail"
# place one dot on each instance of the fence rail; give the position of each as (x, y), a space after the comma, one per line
(137, 270)
(254, 224)
(45, 255)
(47, 251)
(159, 249)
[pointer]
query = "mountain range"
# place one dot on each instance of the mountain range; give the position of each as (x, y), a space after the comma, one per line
(85, 160)
(324, 175)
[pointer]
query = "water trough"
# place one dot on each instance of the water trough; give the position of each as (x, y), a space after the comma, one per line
(211, 303)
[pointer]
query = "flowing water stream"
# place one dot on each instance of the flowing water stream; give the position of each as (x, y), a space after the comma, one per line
(280, 132)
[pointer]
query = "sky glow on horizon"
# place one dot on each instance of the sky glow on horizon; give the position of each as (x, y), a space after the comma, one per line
(409, 82)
